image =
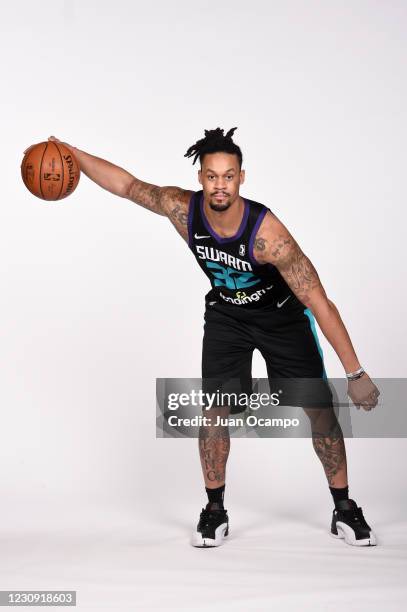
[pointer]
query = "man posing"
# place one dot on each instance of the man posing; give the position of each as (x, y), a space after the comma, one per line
(265, 294)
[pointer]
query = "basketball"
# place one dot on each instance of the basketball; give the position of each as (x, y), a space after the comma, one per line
(50, 170)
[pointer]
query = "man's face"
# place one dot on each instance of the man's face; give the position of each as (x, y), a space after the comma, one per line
(220, 177)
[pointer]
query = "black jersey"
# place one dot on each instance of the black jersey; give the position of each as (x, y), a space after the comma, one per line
(236, 277)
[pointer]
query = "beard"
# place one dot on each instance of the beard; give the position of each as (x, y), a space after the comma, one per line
(219, 206)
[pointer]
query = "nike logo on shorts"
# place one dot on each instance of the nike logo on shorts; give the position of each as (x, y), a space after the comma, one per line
(199, 237)
(279, 304)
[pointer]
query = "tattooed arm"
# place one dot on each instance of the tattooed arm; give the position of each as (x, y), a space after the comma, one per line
(274, 244)
(172, 202)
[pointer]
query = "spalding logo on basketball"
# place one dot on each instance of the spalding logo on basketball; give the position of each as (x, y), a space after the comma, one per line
(50, 170)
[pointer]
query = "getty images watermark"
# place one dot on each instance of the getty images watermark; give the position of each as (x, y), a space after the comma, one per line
(276, 407)
(211, 401)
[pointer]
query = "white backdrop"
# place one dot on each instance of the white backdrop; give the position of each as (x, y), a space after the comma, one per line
(100, 296)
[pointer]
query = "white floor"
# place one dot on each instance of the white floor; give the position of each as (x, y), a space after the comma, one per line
(282, 560)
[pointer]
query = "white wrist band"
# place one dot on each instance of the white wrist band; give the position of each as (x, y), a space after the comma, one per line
(355, 375)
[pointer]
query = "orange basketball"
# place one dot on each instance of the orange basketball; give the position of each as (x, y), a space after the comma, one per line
(50, 170)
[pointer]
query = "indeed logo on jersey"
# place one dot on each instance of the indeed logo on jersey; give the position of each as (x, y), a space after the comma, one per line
(236, 275)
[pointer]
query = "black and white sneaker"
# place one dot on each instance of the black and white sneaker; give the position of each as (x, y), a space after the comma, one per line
(212, 528)
(349, 523)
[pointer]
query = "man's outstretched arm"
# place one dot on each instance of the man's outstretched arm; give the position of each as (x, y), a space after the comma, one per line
(274, 244)
(171, 202)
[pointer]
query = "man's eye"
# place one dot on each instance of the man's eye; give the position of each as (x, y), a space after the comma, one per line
(210, 176)
(230, 176)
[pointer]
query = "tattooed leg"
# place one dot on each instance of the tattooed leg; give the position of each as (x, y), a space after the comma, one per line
(329, 445)
(214, 446)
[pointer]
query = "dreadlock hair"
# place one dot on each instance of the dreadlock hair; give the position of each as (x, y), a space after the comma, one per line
(214, 142)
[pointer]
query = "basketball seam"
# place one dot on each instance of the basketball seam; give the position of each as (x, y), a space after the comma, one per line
(42, 158)
(62, 166)
(24, 171)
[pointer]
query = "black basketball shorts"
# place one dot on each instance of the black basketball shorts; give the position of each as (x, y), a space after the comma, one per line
(288, 342)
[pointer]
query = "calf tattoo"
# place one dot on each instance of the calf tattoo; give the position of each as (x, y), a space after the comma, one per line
(331, 451)
(214, 446)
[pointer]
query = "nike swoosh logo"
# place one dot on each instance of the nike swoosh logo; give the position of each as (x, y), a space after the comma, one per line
(279, 304)
(199, 237)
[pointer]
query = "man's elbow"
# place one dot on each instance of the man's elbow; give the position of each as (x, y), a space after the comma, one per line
(317, 300)
(127, 188)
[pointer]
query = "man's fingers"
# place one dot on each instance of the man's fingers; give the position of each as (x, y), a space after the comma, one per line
(363, 394)
(374, 397)
(369, 404)
(49, 138)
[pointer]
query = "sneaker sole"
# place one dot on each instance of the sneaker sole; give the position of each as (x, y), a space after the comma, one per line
(345, 532)
(220, 533)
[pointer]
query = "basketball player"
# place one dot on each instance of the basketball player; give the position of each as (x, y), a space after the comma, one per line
(266, 294)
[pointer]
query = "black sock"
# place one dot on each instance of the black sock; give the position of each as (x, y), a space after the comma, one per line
(339, 493)
(215, 496)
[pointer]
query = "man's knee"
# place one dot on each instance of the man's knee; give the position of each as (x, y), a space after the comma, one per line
(324, 422)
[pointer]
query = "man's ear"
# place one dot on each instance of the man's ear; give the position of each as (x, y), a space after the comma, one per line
(242, 176)
(200, 176)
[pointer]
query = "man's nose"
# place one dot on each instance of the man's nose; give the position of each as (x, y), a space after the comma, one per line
(220, 183)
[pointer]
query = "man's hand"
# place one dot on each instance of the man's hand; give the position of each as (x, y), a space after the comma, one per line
(102, 172)
(70, 147)
(171, 202)
(363, 392)
(53, 139)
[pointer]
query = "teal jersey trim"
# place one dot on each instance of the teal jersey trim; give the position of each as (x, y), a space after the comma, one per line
(311, 318)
